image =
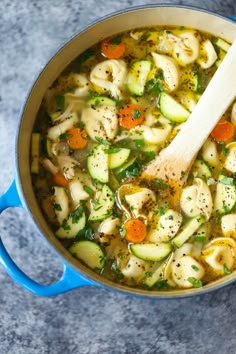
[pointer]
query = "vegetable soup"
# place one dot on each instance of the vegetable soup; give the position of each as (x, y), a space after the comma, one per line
(108, 115)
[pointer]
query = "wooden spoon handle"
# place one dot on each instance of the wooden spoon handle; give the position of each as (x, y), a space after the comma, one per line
(217, 97)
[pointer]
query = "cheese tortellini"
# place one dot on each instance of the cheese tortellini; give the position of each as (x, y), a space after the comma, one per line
(110, 76)
(167, 227)
(185, 47)
(101, 122)
(196, 199)
(208, 54)
(219, 254)
(169, 68)
(155, 134)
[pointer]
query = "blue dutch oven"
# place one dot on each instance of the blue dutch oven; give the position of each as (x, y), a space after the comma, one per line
(20, 193)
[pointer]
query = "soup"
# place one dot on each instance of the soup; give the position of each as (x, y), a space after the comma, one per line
(107, 116)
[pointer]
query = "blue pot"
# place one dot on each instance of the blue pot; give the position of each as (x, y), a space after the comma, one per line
(20, 193)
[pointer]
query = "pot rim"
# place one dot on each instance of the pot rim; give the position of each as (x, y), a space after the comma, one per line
(84, 271)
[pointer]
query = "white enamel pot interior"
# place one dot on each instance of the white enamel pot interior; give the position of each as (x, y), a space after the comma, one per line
(118, 22)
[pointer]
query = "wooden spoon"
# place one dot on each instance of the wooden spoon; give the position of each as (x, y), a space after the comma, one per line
(174, 162)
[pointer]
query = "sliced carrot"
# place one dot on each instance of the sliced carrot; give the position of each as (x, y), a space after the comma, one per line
(130, 116)
(77, 138)
(60, 180)
(112, 49)
(223, 131)
(135, 230)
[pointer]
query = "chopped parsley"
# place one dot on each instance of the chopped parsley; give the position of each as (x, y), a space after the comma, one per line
(194, 267)
(65, 225)
(195, 282)
(226, 270)
(81, 124)
(88, 190)
(112, 150)
(57, 206)
(139, 143)
(87, 233)
(102, 141)
(155, 85)
(76, 215)
(225, 150)
(119, 104)
(162, 284)
(160, 183)
(65, 136)
(163, 209)
(136, 113)
(115, 40)
(60, 102)
(148, 274)
(87, 54)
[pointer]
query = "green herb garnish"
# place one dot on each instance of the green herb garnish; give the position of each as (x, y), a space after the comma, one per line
(65, 136)
(60, 102)
(112, 151)
(76, 215)
(102, 141)
(86, 233)
(160, 184)
(65, 225)
(57, 206)
(194, 267)
(136, 113)
(195, 282)
(226, 270)
(88, 190)
(139, 143)
(115, 40)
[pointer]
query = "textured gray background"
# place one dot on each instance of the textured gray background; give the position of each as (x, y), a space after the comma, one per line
(89, 320)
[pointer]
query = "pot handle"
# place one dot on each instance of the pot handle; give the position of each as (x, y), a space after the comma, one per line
(69, 280)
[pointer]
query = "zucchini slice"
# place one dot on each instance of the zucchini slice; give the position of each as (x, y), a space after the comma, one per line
(137, 76)
(102, 208)
(71, 227)
(117, 159)
(201, 170)
(46, 148)
(89, 253)
(225, 196)
(151, 251)
(98, 101)
(188, 230)
(171, 109)
(35, 150)
(220, 43)
(97, 163)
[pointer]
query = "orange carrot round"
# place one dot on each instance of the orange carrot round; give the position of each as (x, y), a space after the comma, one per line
(135, 230)
(130, 116)
(60, 180)
(77, 138)
(223, 131)
(112, 50)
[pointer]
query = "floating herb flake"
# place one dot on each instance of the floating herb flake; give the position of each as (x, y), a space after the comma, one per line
(195, 282)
